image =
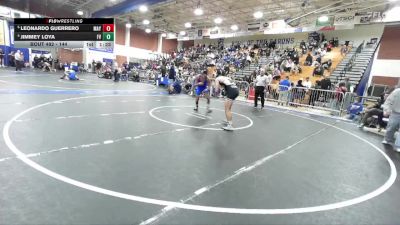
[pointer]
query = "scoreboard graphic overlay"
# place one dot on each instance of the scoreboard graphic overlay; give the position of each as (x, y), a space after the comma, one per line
(64, 33)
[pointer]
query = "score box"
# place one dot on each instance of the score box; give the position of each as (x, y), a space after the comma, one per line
(108, 27)
(108, 36)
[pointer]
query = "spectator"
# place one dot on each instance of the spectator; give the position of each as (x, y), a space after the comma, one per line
(347, 83)
(299, 92)
(391, 108)
(307, 84)
(315, 93)
(284, 86)
(261, 83)
(355, 109)
(375, 110)
(19, 60)
(11, 59)
(318, 71)
(309, 60)
(326, 83)
(172, 74)
(339, 95)
(327, 65)
(1, 58)
(343, 50)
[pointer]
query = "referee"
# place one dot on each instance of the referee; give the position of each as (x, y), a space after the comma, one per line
(261, 82)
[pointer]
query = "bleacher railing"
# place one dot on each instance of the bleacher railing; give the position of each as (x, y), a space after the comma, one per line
(325, 100)
(349, 64)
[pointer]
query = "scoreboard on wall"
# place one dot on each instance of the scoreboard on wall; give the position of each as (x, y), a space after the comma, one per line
(64, 33)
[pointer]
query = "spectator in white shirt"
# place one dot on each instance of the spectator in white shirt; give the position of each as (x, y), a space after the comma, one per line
(19, 59)
(307, 83)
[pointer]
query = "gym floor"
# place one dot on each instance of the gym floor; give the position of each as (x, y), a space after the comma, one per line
(99, 152)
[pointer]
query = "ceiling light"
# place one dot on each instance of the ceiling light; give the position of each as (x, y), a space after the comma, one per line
(218, 20)
(171, 35)
(146, 22)
(183, 33)
(198, 12)
(323, 19)
(258, 15)
(128, 25)
(234, 27)
(79, 13)
(148, 30)
(188, 25)
(113, 0)
(163, 35)
(143, 8)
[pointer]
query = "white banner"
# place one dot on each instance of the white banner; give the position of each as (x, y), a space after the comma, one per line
(344, 19)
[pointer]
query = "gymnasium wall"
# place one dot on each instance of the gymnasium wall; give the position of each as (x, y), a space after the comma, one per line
(359, 34)
(297, 37)
(120, 34)
(169, 45)
(143, 40)
(386, 67)
(390, 43)
(66, 55)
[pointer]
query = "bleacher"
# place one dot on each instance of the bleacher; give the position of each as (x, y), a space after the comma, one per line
(354, 65)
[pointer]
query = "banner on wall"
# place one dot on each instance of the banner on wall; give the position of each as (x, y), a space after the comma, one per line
(40, 52)
(257, 26)
(370, 17)
(11, 31)
(2, 36)
(5, 11)
(344, 19)
(106, 50)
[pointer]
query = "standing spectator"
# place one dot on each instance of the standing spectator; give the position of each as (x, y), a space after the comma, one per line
(391, 108)
(1, 58)
(163, 70)
(11, 59)
(171, 74)
(347, 83)
(326, 83)
(315, 93)
(261, 83)
(299, 92)
(284, 90)
(339, 95)
(19, 60)
(343, 50)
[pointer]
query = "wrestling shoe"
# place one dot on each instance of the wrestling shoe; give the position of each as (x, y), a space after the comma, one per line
(228, 127)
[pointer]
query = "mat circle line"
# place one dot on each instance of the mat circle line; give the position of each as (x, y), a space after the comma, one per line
(23, 157)
(151, 113)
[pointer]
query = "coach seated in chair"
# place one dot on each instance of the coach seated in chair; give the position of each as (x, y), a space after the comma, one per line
(374, 110)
